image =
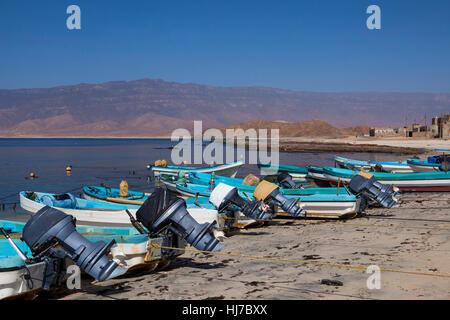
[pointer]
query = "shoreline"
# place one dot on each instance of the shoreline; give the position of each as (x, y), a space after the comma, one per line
(312, 144)
(352, 145)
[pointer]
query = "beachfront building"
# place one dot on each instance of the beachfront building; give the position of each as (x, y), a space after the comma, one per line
(439, 128)
(443, 123)
(388, 132)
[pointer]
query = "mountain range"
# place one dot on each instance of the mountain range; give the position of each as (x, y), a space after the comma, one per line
(147, 107)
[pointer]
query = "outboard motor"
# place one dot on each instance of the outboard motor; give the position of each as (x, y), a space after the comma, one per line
(365, 183)
(285, 180)
(445, 165)
(165, 210)
(266, 191)
(224, 195)
(50, 227)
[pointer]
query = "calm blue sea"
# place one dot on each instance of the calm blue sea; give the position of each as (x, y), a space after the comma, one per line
(96, 161)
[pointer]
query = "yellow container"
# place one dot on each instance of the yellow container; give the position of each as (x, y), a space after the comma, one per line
(124, 189)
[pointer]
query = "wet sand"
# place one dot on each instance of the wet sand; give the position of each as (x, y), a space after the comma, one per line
(414, 237)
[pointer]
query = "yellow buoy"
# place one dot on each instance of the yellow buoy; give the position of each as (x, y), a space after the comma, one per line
(69, 168)
(124, 189)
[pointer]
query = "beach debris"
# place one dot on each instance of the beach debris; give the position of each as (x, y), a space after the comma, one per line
(329, 282)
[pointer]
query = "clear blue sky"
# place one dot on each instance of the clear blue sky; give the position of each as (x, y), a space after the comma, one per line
(300, 45)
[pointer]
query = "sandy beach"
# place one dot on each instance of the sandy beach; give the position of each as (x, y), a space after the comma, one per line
(412, 238)
(429, 144)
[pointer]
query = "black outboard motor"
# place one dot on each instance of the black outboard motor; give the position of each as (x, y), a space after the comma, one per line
(224, 195)
(365, 183)
(50, 227)
(165, 210)
(266, 191)
(285, 180)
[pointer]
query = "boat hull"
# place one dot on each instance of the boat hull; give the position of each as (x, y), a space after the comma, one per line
(13, 282)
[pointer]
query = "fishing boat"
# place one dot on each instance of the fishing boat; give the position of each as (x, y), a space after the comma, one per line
(387, 166)
(407, 181)
(101, 212)
(104, 193)
(132, 251)
(298, 173)
(228, 169)
(16, 277)
(205, 178)
(316, 205)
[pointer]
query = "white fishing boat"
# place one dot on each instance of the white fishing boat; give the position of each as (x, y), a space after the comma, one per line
(106, 213)
(386, 166)
(227, 169)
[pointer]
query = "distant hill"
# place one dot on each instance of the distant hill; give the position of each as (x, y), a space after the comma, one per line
(311, 128)
(156, 107)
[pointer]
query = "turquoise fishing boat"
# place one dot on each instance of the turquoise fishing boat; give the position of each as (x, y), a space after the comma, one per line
(104, 193)
(408, 181)
(204, 179)
(317, 205)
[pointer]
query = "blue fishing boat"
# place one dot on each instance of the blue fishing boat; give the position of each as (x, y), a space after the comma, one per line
(435, 163)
